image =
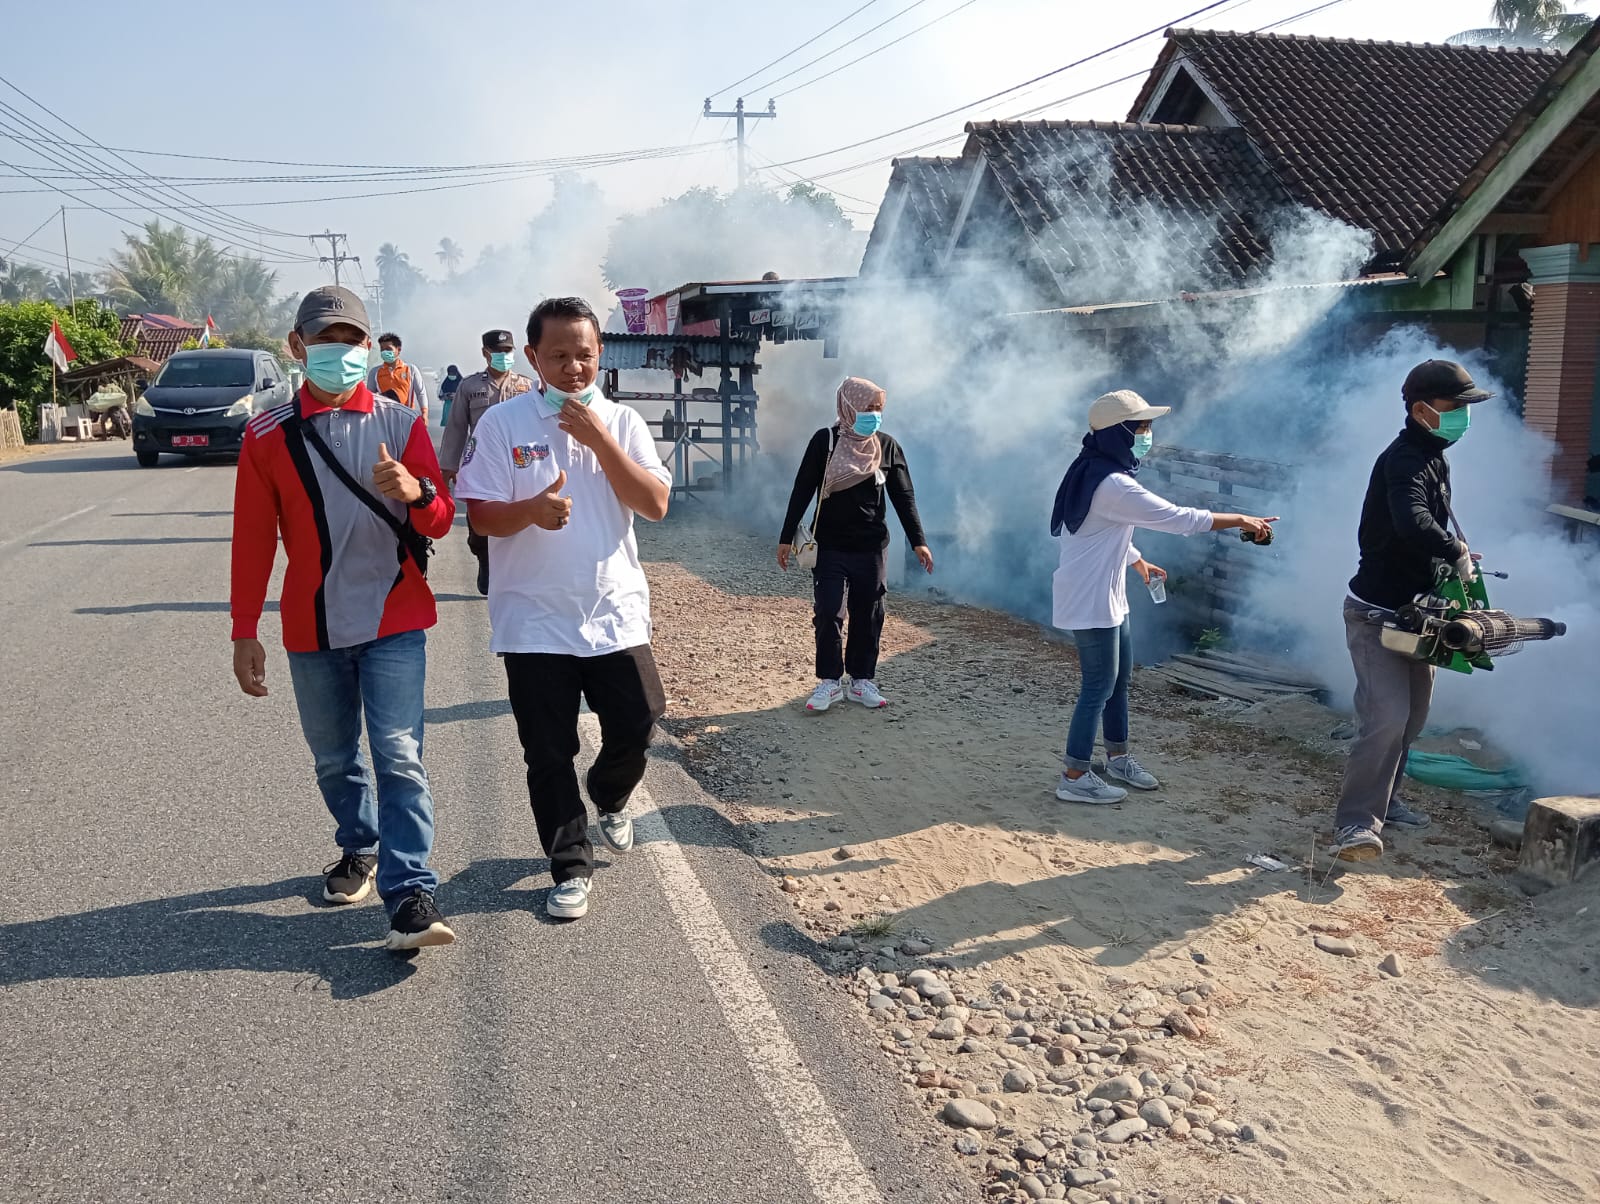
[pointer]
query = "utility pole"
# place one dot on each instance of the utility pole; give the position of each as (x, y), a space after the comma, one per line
(72, 296)
(334, 257)
(375, 291)
(740, 116)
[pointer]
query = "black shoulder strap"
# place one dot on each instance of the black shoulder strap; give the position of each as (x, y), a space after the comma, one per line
(410, 538)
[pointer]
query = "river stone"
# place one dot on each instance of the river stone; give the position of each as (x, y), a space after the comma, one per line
(1119, 1133)
(1156, 1113)
(1123, 1086)
(968, 1114)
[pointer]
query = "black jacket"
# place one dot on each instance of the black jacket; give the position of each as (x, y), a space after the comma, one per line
(854, 519)
(1405, 521)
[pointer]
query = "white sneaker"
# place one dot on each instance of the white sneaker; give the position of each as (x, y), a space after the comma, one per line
(1129, 772)
(617, 828)
(569, 900)
(1088, 789)
(866, 693)
(824, 696)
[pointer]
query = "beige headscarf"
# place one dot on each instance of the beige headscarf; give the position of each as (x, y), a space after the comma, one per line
(856, 458)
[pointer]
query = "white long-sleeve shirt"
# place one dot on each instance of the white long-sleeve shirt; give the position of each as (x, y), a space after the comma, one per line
(1090, 587)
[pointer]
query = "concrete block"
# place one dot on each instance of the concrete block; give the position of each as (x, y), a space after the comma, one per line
(1561, 840)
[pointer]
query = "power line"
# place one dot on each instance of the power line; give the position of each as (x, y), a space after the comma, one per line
(796, 50)
(870, 53)
(1007, 91)
(843, 45)
(23, 240)
(257, 229)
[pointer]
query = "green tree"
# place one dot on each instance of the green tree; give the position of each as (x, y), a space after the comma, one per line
(82, 286)
(450, 254)
(397, 277)
(154, 273)
(1532, 23)
(91, 328)
(23, 282)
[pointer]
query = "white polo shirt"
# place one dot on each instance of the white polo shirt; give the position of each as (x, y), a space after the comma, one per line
(579, 591)
(1090, 588)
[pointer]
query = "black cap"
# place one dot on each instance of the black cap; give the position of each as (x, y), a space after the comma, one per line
(499, 340)
(1441, 380)
(329, 305)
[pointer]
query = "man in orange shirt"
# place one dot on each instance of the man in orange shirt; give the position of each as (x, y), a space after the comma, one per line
(398, 378)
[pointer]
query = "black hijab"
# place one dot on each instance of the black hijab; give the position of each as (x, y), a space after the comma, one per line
(1104, 452)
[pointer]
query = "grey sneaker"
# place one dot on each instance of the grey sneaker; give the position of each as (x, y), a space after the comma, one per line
(1403, 815)
(1088, 789)
(569, 900)
(1127, 770)
(617, 828)
(349, 879)
(1356, 844)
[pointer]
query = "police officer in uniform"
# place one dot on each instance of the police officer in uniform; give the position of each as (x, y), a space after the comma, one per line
(472, 401)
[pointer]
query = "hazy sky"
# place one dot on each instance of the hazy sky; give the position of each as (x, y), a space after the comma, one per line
(449, 83)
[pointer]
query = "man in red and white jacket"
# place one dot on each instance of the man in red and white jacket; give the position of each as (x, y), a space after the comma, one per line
(355, 604)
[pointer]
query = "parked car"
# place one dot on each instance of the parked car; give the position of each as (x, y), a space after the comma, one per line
(199, 403)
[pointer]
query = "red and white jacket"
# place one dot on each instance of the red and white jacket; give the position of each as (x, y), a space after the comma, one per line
(348, 580)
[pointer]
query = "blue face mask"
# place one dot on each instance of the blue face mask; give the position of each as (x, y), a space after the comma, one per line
(335, 367)
(1142, 445)
(868, 423)
(389, 357)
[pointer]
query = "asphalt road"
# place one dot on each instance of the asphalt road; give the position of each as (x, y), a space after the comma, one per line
(180, 1019)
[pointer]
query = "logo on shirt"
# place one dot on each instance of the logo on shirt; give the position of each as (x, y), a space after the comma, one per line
(525, 454)
(472, 448)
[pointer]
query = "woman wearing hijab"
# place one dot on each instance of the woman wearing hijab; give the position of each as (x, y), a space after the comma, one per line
(1097, 508)
(447, 392)
(852, 467)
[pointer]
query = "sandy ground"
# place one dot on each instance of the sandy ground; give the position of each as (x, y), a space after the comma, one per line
(1471, 1076)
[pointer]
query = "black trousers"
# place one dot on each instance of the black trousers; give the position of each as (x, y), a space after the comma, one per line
(853, 585)
(478, 545)
(624, 691)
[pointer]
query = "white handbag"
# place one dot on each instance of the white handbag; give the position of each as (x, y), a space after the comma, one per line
(805, 544)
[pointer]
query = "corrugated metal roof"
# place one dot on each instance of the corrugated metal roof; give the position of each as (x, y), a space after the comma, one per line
(633, 352)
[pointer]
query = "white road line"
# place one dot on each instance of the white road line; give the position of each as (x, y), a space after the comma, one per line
(54, 522)
(196, 468)
(819, 1143)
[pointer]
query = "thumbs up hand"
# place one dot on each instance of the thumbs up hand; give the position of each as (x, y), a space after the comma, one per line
(550, 510)
(394, 479)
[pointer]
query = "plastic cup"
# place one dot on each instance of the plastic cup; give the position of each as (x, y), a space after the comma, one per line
(1158, 589)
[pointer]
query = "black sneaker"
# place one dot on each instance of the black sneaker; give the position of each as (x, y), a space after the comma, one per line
(417, 923)
(483, 575)
(349, 879)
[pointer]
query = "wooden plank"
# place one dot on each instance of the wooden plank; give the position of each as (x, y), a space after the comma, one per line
(1213, 684)
(1217, 661)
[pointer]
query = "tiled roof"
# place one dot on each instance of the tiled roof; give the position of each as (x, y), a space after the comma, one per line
(157, 336)
(1196, 202)
(1377, 134)
(933, 190)
(1530, 193)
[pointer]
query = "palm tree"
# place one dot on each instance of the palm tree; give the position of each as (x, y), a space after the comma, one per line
(450, 254)
(156, 272)
(23, 282)
(1531, 23)
(61, 290)
(392, 260)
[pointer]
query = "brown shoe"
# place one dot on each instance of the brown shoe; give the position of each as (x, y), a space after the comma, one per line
(350, 878)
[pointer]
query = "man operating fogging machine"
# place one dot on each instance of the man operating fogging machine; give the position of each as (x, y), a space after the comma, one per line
(1416, 603)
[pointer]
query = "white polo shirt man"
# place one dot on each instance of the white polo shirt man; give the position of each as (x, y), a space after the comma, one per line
(579, 591)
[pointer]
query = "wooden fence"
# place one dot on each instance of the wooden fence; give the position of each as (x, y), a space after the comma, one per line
(10, 431)
(1210, 586)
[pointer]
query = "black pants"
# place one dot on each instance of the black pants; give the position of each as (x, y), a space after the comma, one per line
(849, 584)
(624, 691)
(478, 545)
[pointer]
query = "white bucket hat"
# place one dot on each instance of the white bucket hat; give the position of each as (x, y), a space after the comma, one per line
(1123, 405)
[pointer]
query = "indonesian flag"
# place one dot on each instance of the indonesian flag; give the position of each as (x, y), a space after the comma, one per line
(205, 335)
(56, 348)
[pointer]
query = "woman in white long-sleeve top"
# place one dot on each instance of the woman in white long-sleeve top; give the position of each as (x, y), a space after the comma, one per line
(1097, 507)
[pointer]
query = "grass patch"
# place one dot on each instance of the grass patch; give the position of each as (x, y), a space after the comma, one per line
(876, 928)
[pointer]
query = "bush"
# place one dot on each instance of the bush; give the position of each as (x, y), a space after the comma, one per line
(25, 372)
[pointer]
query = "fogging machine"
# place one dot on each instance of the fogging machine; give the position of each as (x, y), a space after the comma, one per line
(1454, 627)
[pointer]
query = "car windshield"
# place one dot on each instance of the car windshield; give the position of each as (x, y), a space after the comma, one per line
(206, 372)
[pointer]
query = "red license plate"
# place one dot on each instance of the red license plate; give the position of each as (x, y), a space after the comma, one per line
(191, 440)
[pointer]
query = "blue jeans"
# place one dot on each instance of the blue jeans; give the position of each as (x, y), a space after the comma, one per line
(1106, 657)
(382, 678)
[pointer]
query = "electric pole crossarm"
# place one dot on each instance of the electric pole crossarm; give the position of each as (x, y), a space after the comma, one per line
(741, 115)
(334, 257)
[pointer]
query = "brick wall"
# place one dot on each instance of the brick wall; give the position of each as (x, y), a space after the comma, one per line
(1563, 354)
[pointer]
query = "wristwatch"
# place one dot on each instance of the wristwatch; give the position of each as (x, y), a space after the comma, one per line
(429, 492)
